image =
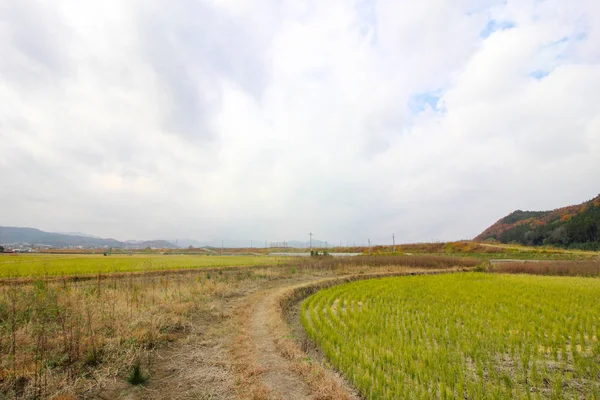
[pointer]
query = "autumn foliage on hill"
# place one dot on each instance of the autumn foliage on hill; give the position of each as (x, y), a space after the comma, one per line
(575, 226)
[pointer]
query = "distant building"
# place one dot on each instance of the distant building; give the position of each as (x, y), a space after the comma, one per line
(23, 250)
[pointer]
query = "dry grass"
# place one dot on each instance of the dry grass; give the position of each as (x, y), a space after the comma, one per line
(439, 247)
(249, 385)
(417, 261)
(62, 338)
(559, 268)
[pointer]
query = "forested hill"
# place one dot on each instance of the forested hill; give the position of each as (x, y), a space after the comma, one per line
(573, 227)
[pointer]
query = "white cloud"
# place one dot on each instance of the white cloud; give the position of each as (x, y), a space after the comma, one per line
(270, 119)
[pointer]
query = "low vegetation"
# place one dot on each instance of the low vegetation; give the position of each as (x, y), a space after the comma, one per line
(427, 261)
(559, 268)
(57, 337)
(483, 251)
(462, 336)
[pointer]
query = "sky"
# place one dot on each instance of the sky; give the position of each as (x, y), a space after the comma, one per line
(267, 120)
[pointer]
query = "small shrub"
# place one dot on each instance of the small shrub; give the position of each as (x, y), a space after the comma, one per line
(481, 267)
(92, 358)
(136, 377)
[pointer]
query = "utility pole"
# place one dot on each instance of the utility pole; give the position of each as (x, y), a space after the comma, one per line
(221, 247)
(310, 240)
(393, 243)
(369, 246)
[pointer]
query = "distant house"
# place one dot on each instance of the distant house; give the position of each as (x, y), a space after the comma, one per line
(23, 250)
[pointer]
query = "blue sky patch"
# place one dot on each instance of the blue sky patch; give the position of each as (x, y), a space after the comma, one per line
(494, 26)
(539, 74)
(420, 101)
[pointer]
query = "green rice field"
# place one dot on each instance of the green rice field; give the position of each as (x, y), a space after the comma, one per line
(462, 336)
(40, 265)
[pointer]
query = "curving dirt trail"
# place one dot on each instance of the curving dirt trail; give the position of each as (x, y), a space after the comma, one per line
(277, 373)
(248, 352)
(271, 364)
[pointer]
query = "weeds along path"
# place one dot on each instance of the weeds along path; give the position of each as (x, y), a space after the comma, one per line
(196, 365)
(194, 368)
(267, 356)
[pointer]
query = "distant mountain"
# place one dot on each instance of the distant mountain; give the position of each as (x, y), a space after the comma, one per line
(191, 242)
(575, 226)
(142, 244)
(31, 236)
(78, 234)
(35, 237)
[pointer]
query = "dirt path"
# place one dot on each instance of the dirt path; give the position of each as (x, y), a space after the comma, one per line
(269, 351)
(243, 349)
(206, 363)
(278, 373)
(196, 366)
(272, 352)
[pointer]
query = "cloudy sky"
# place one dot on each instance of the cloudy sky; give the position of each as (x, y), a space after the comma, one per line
(267, 119)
